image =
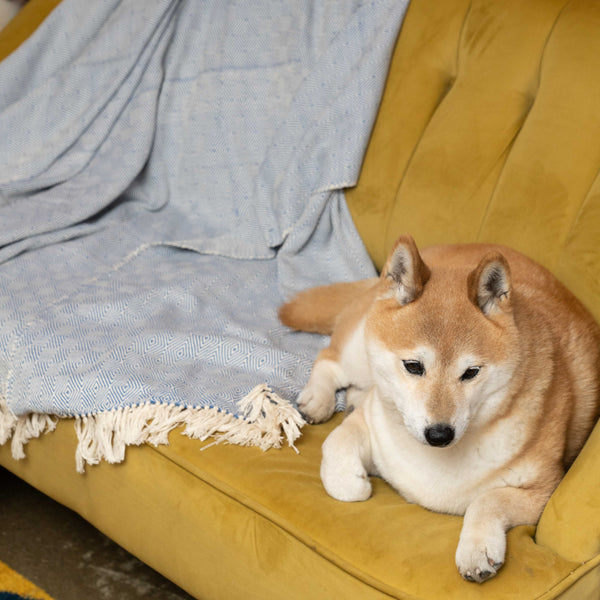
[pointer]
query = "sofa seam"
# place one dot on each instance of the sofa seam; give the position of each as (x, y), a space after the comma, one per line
(450, 84)
(571, 579)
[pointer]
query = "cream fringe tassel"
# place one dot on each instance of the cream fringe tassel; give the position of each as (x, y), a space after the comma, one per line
(22, 429)
(266, 421)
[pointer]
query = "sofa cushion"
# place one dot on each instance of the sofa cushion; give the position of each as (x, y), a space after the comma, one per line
(235, 522)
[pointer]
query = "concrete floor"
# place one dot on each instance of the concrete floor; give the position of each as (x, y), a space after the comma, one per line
(64, 555)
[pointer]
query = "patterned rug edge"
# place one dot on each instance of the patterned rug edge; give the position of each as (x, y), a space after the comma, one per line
(15, 587)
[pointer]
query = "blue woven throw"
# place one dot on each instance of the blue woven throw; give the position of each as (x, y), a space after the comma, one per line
(170, 172)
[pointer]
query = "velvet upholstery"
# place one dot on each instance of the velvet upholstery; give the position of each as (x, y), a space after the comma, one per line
(488, 131)
(232, 522)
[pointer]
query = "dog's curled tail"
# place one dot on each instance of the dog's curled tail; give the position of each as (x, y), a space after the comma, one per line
(316, 310)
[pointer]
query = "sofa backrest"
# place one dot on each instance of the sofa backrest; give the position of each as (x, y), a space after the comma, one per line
(489, 130)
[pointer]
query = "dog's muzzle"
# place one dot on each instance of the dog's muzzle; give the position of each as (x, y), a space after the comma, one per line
(439, 435)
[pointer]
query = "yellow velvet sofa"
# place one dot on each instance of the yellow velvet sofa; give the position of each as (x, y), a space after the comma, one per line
(489, 130)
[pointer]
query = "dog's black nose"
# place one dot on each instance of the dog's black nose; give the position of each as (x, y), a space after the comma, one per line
(439, 435)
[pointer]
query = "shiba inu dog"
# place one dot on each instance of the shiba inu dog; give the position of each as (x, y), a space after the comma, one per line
(474, 376)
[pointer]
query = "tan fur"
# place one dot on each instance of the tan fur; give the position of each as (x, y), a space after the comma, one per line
(519, 415)
(317, 310)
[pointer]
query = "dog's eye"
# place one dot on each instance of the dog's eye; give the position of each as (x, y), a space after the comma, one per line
(414, 367)
(470, 373)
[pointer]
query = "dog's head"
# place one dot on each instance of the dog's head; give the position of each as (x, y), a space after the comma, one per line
(442, 342)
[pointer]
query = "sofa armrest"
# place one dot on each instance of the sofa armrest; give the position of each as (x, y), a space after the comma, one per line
(569, 524)
(27, 20)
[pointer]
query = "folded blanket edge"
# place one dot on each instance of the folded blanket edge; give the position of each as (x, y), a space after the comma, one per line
(266, 421)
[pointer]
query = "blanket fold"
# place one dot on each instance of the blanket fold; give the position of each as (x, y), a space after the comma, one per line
(170, 172)
(74, 153)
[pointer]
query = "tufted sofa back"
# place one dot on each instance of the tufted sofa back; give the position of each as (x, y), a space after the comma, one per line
(489, 130)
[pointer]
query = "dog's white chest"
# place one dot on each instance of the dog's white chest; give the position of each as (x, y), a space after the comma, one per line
(441, 479)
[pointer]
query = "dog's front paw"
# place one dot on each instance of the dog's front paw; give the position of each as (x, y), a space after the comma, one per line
(353, 487)
(342, 471)
(480, 554)
(316, 404)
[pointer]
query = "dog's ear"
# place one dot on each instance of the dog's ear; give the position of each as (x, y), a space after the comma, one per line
(489, 284)
(406, 269)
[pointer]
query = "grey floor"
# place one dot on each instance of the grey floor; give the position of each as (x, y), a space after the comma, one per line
(64, 555)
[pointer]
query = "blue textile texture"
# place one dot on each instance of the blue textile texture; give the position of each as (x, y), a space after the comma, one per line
(170, 172)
